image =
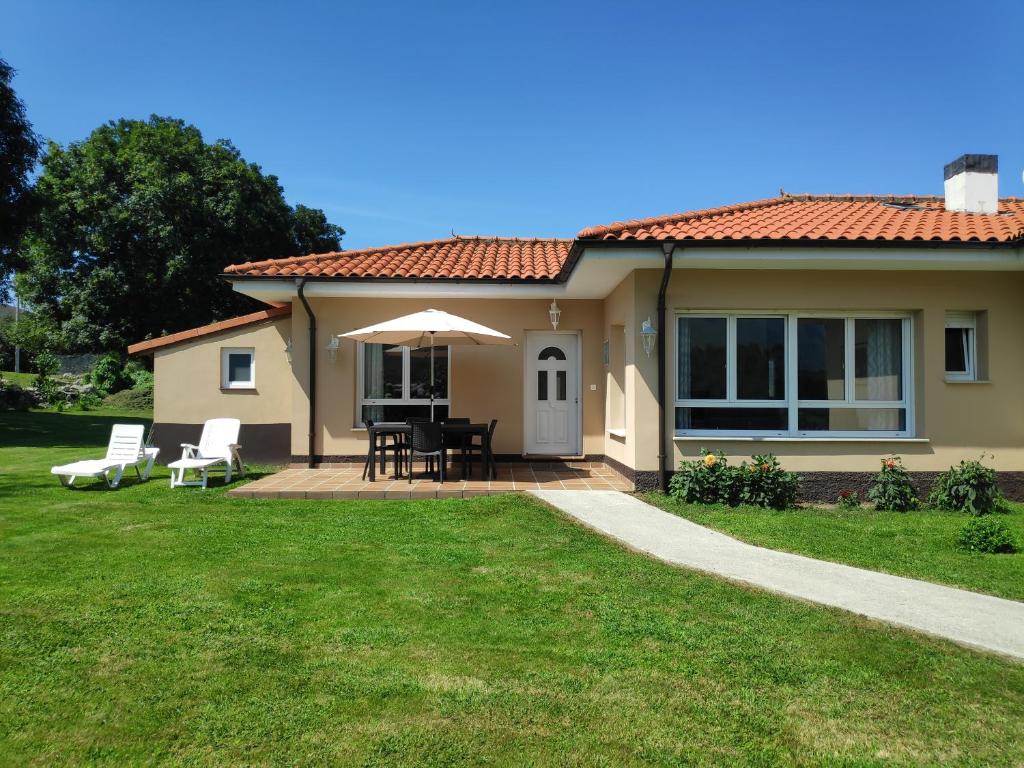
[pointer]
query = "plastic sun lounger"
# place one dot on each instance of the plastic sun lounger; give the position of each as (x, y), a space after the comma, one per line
(124, 450)
(218, 445)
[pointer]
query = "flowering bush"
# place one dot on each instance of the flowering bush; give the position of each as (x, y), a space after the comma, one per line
(969, 487)
(848, 500)
(892, 490)
(710, 480)
(707, 480)
(986, 534)
(764, 483)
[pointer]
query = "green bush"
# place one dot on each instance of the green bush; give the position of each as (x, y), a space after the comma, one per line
(707, 480)
(108, 375)
(15, 398)
(848, 500)
(137, 374)
(46, 387)
(710, 480)
(892, 490)
(968, 487)
(764, 483)
(986, 534)
(134, 399)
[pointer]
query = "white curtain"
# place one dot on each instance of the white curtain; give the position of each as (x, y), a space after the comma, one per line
(884, 369)
(373, 380)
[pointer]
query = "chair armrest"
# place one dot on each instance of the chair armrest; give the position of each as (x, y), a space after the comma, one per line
(189, 445)
(234, 446)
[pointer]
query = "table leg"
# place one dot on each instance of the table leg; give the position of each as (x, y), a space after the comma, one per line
(373, 457)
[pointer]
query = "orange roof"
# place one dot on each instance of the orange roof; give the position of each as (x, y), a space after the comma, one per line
(206, 330)
(828, 218)
(457, 258)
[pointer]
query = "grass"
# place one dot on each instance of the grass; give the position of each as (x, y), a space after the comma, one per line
(147, 625)
(23, 380)
(918, 544)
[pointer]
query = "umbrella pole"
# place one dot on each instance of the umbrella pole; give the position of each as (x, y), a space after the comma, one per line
(431, 376)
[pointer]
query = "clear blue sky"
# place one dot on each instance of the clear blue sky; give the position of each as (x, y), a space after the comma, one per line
(405, 121)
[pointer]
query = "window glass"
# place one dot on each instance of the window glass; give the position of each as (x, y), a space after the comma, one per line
(542, 385)
(419, 373)
(702, 358)
(956, 350)
(852, 419)
(560, 385)
(549, 352)
(760, 358)
(878, 367)
(239, 367)
(382, 372)
(738, 419)
(398, 412)
(820, 355)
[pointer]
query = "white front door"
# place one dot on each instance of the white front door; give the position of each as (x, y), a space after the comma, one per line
(552, 394)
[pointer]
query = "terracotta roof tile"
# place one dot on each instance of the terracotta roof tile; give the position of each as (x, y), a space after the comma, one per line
(205, 330)
(827, 217)
(459, 258)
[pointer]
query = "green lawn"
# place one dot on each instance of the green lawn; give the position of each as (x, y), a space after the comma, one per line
(23, 380)
(918, 544)
(146, 625)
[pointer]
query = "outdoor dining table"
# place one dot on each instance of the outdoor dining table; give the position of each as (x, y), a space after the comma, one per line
(380, 431)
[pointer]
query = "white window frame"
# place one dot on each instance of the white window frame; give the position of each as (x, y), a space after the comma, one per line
(790, 400)
(225, 356)
(406, 385)
(963, 321)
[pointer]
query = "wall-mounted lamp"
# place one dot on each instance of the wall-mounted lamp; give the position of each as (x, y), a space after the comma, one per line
(332, 348)
(554, 313)
(288, 350)
(648, 335)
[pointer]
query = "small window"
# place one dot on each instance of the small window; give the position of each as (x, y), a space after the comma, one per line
(238, 368)
(551, 352)
(961, 346)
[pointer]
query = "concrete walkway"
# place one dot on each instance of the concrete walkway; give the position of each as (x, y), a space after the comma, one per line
(968, 618)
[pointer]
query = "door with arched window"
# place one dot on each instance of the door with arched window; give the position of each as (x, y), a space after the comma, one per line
(552, 394)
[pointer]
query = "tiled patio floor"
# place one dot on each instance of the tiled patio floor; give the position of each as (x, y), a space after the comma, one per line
(345, 482)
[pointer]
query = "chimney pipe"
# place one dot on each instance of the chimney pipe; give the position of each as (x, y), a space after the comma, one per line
(972, 184)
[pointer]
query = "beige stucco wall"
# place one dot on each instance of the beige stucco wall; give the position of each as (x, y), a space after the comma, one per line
(958, 420)
(486, 381)
(187, 386)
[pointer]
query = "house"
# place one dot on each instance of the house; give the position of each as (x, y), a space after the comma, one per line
(828, 330)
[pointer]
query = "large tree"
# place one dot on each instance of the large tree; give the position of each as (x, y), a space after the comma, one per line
(19, 148)
(137, 221)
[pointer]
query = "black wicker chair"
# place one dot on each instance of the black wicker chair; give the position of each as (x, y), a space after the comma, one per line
(484, 449)
(426, 441)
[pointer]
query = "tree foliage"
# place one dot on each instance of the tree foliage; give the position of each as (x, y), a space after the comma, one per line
(137, 221)
(19, 149)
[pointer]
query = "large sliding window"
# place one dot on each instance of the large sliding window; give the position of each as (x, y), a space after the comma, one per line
(792, 374)
(394, 383)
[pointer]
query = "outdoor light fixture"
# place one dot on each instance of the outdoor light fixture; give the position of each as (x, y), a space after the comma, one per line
(288, 350)
(648, 335)
(332, 348)
(554, 313)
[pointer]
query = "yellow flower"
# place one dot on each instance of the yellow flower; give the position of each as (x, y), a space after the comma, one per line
(710, 460)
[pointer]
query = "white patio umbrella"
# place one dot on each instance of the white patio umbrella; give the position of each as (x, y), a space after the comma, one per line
(425, 329)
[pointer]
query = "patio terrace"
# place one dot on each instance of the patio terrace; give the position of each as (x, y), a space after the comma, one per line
(345, 482)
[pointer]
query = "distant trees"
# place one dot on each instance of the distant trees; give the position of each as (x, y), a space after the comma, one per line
(19, 148)
(135, 223)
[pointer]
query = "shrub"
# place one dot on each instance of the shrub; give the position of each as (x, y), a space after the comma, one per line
(137, 374)
(892, 490)
(108, 375)
(47, 389)
(986, 534)
(134, 399)
(968, 487)
(848, 500)
(707, 480)
(764, 483)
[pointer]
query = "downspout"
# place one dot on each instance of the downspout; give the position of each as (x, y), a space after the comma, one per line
(301, 282)
(668, 249)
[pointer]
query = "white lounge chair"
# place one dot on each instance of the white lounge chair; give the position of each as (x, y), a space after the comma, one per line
(124, 450)
(218, 445)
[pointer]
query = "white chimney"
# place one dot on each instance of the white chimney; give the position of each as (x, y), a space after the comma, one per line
(972, 184)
